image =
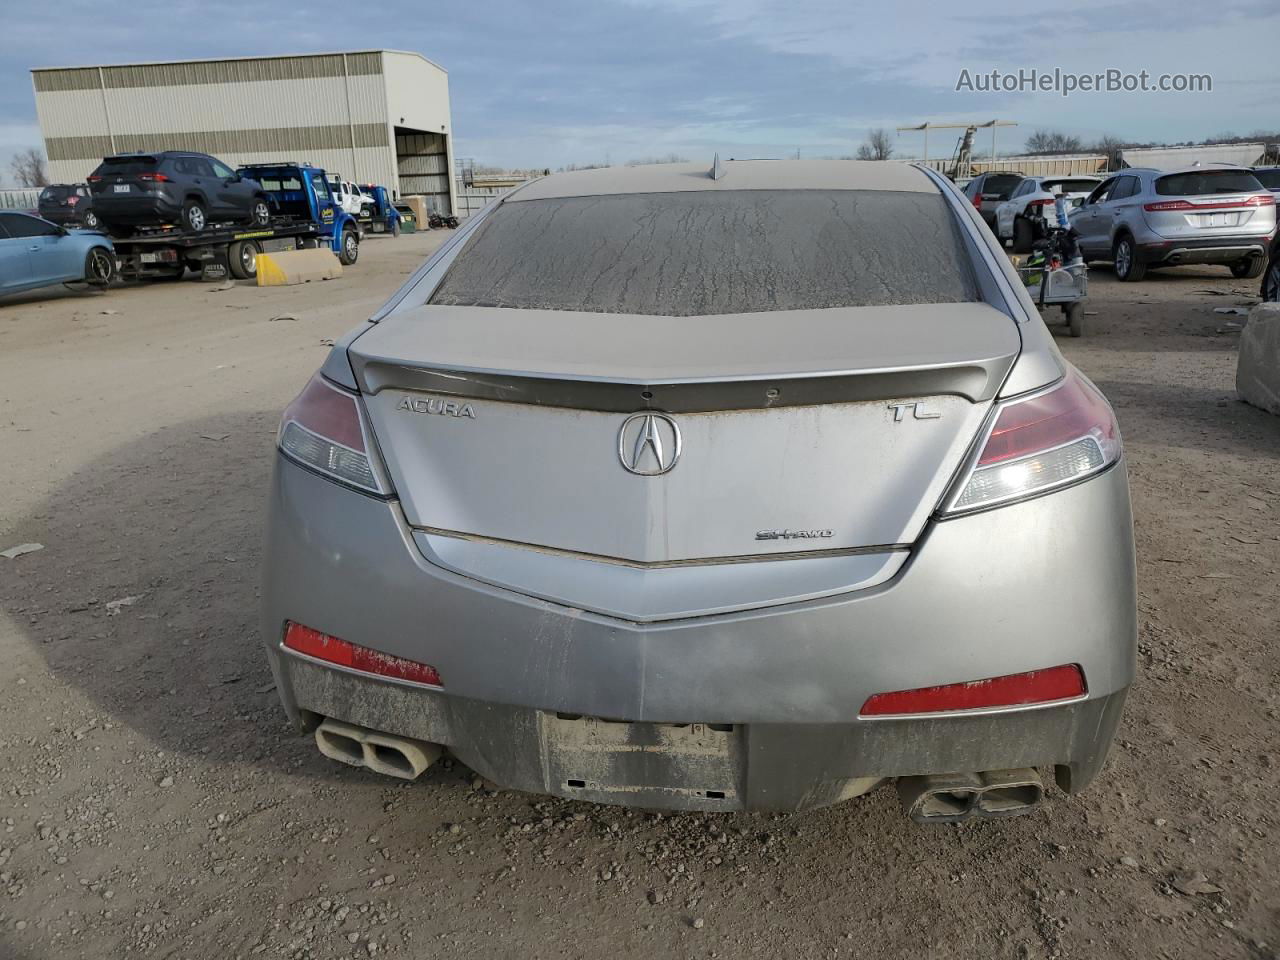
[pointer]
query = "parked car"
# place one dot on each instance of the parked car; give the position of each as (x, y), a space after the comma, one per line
(1269, 177)
(1143, 218)
(666, 510)
(346, 194)
(1033, 199)
(987, 191)
(191, 190)
(68, 204)
(37, 253)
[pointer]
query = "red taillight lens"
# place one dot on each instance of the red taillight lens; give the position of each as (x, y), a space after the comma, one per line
(335, 650)
(322, 430)
(1255, 201)
(93, 178)
(1040, 203)
(1016, 689)
(155, 177)
(1040, 442)
(977, 201)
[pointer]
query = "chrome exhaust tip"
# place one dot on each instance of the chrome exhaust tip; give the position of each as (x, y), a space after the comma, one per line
(1009, 793)
(955, 797)
(939, 798)
(380, 752)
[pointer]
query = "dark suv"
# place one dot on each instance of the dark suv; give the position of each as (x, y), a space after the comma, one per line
(987, 191)
(68, 204)
(192, 190)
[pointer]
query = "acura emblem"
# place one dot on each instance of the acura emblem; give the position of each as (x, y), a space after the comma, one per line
(648, 443)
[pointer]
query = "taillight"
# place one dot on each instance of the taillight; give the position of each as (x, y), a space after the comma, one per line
(1255, 201)
(335, 650)
(322, 429)
(153, 177)
(93, 178)
(1014, 690)
(1041, 442)
(1040, 203)
(977, 201)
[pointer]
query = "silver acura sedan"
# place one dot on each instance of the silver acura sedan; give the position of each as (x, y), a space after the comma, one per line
(745, 489)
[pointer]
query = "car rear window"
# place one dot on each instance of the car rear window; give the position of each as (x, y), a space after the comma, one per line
(55, 193)
(1268, 178)
(1001, 183)
(125, 166)
(1198, 183)
(1071, 186)
(707, 252)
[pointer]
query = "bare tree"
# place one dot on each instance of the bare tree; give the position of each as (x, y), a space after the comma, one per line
(879, 146)
(1052, 141)
(669, 158)
(28, 168)
(1109, 147)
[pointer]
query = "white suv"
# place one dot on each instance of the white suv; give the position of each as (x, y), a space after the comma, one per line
(1033, 199)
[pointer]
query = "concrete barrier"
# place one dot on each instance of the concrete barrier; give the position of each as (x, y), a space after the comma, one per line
(1258, 369)
(297, 266)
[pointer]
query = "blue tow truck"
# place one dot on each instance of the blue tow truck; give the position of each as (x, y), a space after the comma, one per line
(381, 215)
(303, 214)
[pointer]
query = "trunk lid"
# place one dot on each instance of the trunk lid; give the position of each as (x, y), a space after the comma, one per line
(798, 431)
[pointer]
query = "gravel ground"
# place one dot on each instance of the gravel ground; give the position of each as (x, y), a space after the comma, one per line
(153, 801)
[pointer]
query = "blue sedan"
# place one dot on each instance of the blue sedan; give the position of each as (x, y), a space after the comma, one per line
(37, 253)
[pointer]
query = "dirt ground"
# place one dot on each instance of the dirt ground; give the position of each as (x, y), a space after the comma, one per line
(154, 802)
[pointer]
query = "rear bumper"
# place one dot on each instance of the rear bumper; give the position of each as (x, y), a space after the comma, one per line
(136, 211)
(760, 707)
(1210, 250)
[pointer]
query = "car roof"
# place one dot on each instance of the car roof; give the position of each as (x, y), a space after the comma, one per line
(737, 175)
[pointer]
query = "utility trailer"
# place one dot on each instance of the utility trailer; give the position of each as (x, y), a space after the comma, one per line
(304, 214)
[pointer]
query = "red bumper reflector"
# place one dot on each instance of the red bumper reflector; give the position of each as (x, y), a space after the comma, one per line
(313, 643)
(1038, 686)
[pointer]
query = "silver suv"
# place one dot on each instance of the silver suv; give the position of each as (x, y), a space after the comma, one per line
(1144, 218)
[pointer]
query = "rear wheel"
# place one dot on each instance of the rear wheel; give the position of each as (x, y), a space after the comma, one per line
(1129, 268)
(349, 251)
(1250, 268)
(99, 267)
(1023, 235)
(194, 216)
(1271, 282)
(242, 259)
(395, 228)
(261, 212)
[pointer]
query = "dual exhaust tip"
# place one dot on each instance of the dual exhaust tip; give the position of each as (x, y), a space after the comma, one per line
(955, 797)
(379, 752)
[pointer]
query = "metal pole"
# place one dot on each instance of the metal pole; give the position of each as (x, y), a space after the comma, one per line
(993, 144)
(926, 145)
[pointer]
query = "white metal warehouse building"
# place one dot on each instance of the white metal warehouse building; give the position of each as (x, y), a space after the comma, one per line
(373, 116)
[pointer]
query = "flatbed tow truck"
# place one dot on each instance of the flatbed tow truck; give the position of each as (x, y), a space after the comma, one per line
(303, 215)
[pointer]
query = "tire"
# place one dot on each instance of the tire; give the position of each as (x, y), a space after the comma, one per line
(91, 221)
(260, 212)
(1250, 268)
(1074, 313)
(1023, 235)
(349, 252)
(1270, 289)
(194, 216)
(242, 259)
(99, 267)
(1129, 269)
(395, 228)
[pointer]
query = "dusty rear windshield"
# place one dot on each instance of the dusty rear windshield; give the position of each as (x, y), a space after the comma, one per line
(1204, 182)
(707, 252)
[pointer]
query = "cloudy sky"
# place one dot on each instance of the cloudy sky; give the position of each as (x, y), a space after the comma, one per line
(561, 82)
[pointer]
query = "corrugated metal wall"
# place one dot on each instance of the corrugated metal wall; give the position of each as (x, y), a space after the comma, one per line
(328, 110)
